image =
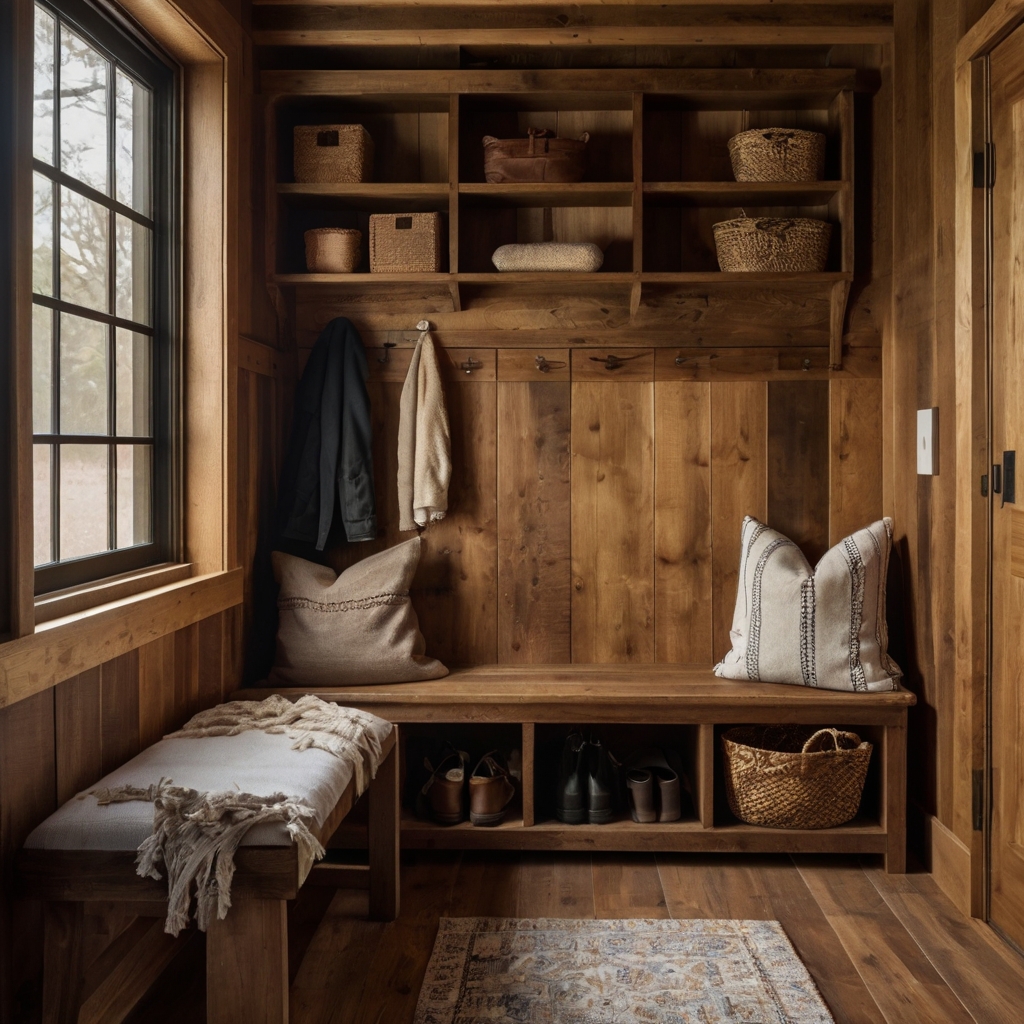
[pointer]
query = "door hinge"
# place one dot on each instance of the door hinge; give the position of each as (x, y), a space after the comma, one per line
(978, 799)
(985, 167)
(984, 485)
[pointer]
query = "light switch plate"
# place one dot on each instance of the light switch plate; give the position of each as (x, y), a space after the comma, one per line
(927, 442)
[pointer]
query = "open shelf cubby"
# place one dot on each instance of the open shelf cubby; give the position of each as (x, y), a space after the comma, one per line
(678, 709)
(658, 177)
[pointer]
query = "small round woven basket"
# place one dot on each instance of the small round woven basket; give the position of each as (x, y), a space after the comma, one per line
(773, 244)
(789, 776)
(777, 154)
(333, 250)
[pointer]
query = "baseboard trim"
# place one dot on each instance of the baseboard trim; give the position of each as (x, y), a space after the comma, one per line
(949, 860)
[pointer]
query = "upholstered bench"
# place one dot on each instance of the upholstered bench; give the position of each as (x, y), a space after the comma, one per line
(144, 815)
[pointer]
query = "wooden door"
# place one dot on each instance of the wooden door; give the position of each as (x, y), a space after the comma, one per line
(1007, 734)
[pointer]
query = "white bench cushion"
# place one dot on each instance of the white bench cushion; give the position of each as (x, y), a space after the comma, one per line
(251, 762)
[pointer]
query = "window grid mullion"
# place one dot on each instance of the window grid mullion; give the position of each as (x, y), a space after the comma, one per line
(55, 369)
(56, 175)
(112, 310)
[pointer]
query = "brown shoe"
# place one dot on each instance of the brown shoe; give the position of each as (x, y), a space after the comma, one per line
(490, 791)
(446, 788)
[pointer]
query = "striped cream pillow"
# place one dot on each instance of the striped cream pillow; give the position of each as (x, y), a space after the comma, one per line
(821, 627)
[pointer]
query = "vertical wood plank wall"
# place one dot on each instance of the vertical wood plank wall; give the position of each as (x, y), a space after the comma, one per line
(599, 520)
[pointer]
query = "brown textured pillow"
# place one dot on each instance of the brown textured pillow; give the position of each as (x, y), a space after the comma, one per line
(359, 627)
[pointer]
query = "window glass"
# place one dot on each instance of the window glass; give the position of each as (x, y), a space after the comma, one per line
(42, 124)
(84, 76)
(101, 317)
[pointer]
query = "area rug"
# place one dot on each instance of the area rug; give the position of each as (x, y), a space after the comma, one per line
(487, 970)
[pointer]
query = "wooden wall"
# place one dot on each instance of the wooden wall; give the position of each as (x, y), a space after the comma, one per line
(598, 519)
(920, 371)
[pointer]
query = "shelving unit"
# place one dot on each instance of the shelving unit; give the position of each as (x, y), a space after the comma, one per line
(658, 178)
(685, 707)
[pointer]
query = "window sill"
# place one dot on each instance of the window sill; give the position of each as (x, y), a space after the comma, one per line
(73, 643)
(60, 603)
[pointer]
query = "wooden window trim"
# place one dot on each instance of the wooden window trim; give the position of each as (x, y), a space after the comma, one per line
(60, 603)
(73, 644)
(209, 46)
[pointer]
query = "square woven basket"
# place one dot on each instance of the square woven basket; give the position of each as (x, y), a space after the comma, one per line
(405, 243)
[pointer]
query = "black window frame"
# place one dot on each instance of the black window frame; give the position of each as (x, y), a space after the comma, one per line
(144, 64)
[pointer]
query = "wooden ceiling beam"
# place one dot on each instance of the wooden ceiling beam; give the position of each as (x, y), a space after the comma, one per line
(571, 25)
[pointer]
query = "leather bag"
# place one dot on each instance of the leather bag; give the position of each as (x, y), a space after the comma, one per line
(540, 157)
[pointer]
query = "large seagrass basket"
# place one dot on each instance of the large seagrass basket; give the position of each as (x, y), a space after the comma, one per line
(332, 152)
(785, 776)
(772, 244)
(777, 154)
(332, 250)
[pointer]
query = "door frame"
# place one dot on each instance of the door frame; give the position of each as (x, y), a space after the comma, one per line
(972, 754)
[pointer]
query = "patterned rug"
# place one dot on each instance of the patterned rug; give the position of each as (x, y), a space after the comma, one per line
(487, 970)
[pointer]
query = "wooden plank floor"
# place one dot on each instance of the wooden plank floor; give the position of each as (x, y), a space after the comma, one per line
(881, 948)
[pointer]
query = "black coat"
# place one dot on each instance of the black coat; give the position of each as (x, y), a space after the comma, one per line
(330, 450)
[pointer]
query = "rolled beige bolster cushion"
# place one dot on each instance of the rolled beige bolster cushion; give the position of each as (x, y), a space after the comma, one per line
(582, 257)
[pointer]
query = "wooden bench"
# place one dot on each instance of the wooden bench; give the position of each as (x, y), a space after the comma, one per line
(690, 704)
(247, 952)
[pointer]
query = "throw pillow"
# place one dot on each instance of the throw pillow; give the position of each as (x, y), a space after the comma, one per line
(823, 627)
(359, 627)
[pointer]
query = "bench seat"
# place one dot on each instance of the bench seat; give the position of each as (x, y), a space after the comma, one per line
(696, 706)
(86, 852)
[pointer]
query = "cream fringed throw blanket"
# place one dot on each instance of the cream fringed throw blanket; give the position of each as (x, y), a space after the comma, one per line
(424, 442)
(195, 834)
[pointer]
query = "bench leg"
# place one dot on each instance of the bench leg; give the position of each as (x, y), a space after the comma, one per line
(894, 768)
(384, 840)
(62, 961)
(247, 964)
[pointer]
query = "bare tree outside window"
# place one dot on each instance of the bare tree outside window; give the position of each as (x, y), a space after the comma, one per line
(95, 295)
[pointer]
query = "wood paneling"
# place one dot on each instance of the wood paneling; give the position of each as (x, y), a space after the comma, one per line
(855, 454)
(798, 454)
(682, 522)
(612, 522)
(533, 523)
(739, 466)
(455, 590)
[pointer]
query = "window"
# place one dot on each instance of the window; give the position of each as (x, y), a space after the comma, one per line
(103, 299)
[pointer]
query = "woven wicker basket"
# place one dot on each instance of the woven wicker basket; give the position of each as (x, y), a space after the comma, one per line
(407, 243)
(792, 777)
(770, 244)
(332, 250)
(777, 154)
(332, 152)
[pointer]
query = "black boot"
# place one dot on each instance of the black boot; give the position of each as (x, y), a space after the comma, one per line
(601, 785)
(571, 798)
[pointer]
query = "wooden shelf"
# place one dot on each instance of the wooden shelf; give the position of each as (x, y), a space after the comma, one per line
(378, 197)
(429, 125)
(687, 836)
(742, 193)
(711, 277)
(544, 194)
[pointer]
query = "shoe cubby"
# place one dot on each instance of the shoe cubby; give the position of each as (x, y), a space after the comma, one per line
(622, 741)
(673, 707)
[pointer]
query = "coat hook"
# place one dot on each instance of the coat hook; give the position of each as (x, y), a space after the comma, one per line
(807, 365)
(423, 325)
(471, 364)
(680, 360)
(386, 358)
(546, 366)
